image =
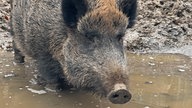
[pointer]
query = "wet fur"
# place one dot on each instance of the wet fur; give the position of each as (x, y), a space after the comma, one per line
(60, 33)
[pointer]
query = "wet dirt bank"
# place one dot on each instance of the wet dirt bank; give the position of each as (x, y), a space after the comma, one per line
(160, 25)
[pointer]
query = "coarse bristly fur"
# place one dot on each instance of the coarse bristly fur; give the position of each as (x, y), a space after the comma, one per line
(78, 42)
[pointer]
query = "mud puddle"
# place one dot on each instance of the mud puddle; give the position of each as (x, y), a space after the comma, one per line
(156, 81)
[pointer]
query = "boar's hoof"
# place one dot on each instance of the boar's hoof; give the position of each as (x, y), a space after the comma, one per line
(119, 96)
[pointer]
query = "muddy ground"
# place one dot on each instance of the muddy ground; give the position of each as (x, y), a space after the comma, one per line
(160, 24)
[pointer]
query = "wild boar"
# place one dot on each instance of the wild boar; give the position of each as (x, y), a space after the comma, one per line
(76, 42)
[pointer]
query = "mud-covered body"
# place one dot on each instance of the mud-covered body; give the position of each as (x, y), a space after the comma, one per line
(78, 42)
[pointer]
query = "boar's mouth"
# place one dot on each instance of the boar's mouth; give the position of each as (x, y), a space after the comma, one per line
(114, 88)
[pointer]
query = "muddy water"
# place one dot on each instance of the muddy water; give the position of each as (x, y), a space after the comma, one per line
(156, 81)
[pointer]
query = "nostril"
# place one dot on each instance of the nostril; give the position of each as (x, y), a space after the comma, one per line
(126, 96)
(115, 96)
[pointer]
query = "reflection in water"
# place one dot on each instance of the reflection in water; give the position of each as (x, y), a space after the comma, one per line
(156, 81)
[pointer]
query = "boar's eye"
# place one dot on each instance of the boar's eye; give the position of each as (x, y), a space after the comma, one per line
(120, 37)
(91, 36)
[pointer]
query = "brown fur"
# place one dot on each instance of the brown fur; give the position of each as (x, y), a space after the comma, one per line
(76, 42)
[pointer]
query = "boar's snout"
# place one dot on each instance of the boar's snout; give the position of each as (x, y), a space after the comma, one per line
(119, 95)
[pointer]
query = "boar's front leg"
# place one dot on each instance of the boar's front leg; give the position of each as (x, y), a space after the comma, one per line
(18, 56)
(51, 72)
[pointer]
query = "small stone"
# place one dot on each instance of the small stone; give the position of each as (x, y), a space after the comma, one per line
(49, 89)
(9, 75)
(33, 81)
(80, 104)
(59, 96)
(151, 64)
(149, 82)
(35, 76)
(97, 106)
(181, 70)
(160, 62)
(27, 66)
(7, 65)
(151, 58)
(40, 92)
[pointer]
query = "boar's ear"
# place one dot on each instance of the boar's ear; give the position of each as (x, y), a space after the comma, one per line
(129, 8)
(73, 10)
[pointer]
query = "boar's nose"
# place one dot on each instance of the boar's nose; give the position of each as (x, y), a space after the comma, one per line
(119, 96)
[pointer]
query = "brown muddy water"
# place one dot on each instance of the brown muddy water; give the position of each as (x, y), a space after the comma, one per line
(156, 81)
